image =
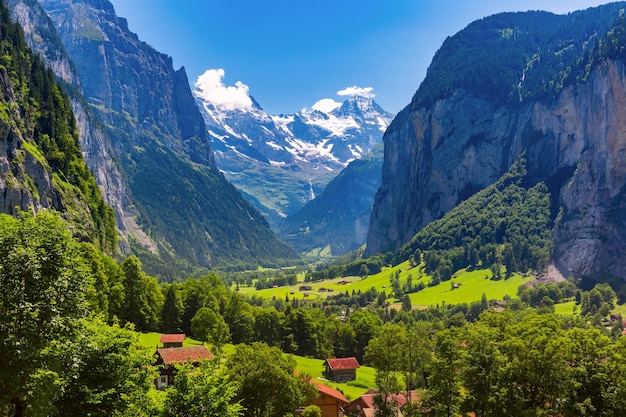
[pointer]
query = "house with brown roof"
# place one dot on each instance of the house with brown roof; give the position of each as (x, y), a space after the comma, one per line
(172, 340)
(330, 401)
(341, 369)
(364, 405)
(166, 358)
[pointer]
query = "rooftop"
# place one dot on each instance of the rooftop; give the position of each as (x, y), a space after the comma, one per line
(337, 364)
(184, 354)
(172, 338)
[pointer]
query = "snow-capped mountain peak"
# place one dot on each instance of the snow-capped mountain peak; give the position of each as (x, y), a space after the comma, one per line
(308, 144)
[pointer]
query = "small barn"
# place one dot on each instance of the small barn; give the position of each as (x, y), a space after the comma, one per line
(166, 358)
(341, 369)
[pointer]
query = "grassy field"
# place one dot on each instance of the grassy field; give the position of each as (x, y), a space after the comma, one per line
(313, 367)
(471, 286)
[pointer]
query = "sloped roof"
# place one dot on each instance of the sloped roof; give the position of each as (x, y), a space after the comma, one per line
(337, 364)
(331, 392)
(184, 354)
(172, 338)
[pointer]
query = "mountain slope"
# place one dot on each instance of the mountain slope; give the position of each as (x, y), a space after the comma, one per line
(534, 83)
(41, 165)
(42, 37)
(191, 213)
(336, 221)
(281, 162)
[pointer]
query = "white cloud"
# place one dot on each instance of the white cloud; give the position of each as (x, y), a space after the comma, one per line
(357, 91)
(211, 88)
(326, 105)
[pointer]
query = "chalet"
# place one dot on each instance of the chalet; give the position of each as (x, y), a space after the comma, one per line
(341, 369)
(166, 358)
(330, 401)
(305, 288)
(364, 405)
(172, 340)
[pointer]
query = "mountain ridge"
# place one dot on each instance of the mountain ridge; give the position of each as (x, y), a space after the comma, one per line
(569, 131)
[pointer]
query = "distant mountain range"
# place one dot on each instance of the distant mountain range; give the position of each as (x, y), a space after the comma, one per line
(280, 162)
(142, 134)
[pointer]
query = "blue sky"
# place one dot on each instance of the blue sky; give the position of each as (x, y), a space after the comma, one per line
(288, 54)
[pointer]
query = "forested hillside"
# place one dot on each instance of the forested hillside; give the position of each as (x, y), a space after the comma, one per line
(42, 164)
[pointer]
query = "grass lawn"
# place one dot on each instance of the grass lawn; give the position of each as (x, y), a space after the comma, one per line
(471, 286)
(567, 309)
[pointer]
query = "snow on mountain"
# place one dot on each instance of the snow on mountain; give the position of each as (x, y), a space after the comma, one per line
(310, 146)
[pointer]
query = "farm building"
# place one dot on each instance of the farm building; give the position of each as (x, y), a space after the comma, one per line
(341, 369)
(329, 400)
(168, 357)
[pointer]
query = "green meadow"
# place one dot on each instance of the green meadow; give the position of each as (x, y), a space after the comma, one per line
(465, 286)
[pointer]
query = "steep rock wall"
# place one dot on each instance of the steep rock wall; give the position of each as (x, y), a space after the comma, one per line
(435, 158)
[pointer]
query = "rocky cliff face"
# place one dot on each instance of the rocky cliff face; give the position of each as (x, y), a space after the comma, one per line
(576, 143)
(42, 37)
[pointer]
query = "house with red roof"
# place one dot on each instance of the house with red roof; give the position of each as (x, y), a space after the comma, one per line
(330, 401)
(166, 358)
(172, 340)
(364, 405)
(341, 369)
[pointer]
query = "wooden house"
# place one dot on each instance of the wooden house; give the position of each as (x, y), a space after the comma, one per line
(330, 401)
(168, 357)
(341, 369)
(364, 405)
(172, 340)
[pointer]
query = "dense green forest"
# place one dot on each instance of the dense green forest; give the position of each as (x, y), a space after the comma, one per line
(68, 321)
(539, 53)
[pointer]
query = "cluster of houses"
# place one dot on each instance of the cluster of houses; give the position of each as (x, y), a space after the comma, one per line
(331, 402)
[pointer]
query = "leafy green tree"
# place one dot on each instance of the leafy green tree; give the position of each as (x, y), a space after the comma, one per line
(384, 353)
(366, 325)
(44, 280)
(111, 372)
(364, 271)
(268, 385)
(268, 326)
(444, 382)
(170, 315)
(142, 298)
(205, 391)
(311, 411)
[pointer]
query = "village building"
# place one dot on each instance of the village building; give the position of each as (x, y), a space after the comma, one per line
(364, 405)
(341, 369)
(168, 357)
(330, 401)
